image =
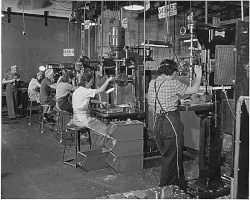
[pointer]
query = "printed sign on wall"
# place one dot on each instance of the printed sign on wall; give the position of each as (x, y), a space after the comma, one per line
(68, 52)
(171, 10)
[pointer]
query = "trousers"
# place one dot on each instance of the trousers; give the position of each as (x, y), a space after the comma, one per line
(97, 128)
(168, 131)
(12, 101)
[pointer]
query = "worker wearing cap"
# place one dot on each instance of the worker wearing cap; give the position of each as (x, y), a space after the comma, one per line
(11, 78)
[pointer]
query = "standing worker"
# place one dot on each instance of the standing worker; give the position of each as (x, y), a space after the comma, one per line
(168, 129)
(11, 78)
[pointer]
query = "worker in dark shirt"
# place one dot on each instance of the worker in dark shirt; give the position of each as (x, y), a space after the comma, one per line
(46, 97)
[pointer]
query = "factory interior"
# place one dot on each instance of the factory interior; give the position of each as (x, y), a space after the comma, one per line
(124, 99)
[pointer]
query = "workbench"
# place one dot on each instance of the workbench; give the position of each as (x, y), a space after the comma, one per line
(118, 114)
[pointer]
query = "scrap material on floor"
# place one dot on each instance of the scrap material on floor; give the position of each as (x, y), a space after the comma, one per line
(32, 168)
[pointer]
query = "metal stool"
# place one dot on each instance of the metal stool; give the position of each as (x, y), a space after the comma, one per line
(45, 106)
(30, 109)
(77, 130)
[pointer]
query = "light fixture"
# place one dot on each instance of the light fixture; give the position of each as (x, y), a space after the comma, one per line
(134, 5)
(151, 43)
(8, 11)
(42, 68)
(46, 13)
(2, 15)
(91, 24)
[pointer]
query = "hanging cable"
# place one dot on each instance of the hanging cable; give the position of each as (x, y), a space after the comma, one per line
(24, 27)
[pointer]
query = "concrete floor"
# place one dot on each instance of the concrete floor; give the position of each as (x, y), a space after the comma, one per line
(32, 169)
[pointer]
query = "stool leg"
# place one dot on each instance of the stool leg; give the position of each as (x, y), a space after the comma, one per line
(79, 140)
(30, 113)
(76, 136)
(90, 143)
(42, 123)
(59, 125)
(64, 149)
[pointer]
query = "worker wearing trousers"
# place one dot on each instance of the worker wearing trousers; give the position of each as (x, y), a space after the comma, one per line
(12, 100)
(168, 131)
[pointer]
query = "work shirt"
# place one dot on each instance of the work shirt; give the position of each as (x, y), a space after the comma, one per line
(62, 88)
(45, 91)
(80, 100)
(8, 76)
(33, 91)
(167, 95)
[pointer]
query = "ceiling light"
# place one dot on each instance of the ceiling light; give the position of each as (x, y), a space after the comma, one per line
(134, 6)
(91, 24)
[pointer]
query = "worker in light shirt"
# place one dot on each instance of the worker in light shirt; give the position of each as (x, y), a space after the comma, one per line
(81, 99)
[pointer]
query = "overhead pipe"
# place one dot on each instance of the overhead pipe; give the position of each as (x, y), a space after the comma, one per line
(144, 58)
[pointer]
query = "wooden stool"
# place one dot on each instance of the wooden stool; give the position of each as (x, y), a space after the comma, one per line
(77, 130)
(30, 109)
(45, 106)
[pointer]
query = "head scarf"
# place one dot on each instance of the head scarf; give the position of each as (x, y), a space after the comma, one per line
(48, 73)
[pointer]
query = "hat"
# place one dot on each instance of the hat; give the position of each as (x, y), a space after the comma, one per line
(48, 73)
(13, 67)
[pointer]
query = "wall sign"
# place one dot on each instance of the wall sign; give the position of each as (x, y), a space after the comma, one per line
(68, 52)
(125, 23)
(171, 10)
(86, 24)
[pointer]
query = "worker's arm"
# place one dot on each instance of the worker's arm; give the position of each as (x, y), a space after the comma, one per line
(4, 81)
(193, 89)
(104, 86)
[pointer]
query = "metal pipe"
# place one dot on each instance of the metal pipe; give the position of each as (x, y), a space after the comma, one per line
(242, 10)
(68, 38)
(232, 188)
(144, 58)
(83, 39)
(206, 12)
(101, 35)
(166, 19)
(237, 146)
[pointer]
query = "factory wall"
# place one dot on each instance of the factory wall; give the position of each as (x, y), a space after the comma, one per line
(39, 44)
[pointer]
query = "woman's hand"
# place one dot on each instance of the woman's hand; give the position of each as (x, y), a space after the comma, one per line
(111, 78)
(105, 104)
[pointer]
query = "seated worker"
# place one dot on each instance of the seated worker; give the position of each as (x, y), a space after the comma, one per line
(46, 97)
(168, 129)
(11, 78)
(63, 91)
(80, 100)
(34, 87)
